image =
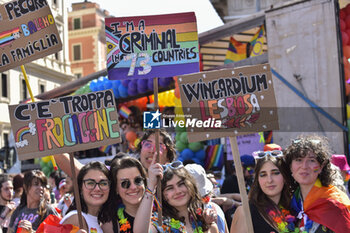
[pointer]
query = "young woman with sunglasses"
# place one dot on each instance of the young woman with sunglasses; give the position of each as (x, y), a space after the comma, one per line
(182, 205)
(94, 187)
(320, 205)
(146, 149)
(33, 208)
(268, 198)
(129, 182)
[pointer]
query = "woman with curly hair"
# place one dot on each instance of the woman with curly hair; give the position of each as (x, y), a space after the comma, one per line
(269, 197)
(181, 204)
(33, 208)
(320, 205)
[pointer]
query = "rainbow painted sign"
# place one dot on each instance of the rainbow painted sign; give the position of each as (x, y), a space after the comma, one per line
(66, 124)
(27, 32)
(152, 46)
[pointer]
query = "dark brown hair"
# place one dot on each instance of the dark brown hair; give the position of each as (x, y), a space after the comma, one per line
(260, 199)
(29, 176)
(194, 203)
(109, 209)
(96, 165)
(300, 148)
(168, 142)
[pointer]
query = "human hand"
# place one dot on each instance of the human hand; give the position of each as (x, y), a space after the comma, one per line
(26, 225)
(154, 171)
(210, 216)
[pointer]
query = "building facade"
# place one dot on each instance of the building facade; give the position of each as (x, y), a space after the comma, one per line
(87, 40)
(43, 74)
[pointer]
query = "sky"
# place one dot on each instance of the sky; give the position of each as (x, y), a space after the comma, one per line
(207, 18)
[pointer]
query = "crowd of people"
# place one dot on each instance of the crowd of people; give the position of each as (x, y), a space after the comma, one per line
(302, 188)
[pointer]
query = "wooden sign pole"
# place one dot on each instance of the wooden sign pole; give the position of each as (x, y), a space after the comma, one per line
(76, 191)
(241, 183)
(159, 185)
(32, 98)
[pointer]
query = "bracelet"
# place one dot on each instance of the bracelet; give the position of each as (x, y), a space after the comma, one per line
(148, 190)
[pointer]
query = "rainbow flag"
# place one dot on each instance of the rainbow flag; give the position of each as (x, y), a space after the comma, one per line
(214, 156)
(105, 149)
(257, 42)
(125, 112)
(328, 206)
(236, 51)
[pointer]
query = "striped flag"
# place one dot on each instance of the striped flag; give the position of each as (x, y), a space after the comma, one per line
(257, 42)
(236, 51)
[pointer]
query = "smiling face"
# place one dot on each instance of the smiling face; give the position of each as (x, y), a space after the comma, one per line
(147, 153)
(306, 170)
(36, 191)
(176, 193)
(271, 181)
(133, 194)
(95, 197)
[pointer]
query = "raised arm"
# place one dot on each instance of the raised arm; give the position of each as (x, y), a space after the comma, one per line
(63, 162)
(144, 213)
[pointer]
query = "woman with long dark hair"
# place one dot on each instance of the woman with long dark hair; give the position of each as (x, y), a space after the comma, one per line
(129, 183)
(94, 187)
(269, 197)
(33, 208)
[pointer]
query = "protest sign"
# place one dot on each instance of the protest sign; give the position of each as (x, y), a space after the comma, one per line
(152, 46)
(66, 124)
(227, 103)
(27, 32)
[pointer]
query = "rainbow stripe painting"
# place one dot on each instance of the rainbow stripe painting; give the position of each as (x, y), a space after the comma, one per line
(152, 46)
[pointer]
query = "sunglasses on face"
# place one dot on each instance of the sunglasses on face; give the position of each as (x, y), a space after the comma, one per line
(90, 184)
(148, 145)
(263, 154)
(174, 165)
(126, 183)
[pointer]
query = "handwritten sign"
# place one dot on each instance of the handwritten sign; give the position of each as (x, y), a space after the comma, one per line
(66, 124)
(27, 32)
(228, 102)
(152, 46)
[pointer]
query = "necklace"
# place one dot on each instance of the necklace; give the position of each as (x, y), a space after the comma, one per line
(284, 220)
(124, 223)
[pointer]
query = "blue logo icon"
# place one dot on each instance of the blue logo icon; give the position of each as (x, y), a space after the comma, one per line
(151, 120)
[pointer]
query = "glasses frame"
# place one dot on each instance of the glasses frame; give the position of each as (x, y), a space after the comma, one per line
(270, 153)
(126, 183)
(174, 165)
(97, 183)
(162, 146)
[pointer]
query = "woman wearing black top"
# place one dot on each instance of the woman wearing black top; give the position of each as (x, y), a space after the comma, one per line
(268, 198)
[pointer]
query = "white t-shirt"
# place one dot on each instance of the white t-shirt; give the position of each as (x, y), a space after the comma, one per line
(90, 220)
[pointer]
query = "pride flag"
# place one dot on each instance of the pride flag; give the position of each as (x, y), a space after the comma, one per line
(328, 206)
(257, 42)
(124, 111)
(52, 224)
(236, 51)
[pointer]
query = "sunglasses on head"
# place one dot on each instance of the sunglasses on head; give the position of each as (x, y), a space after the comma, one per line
(263, 154)
(147, 144)
(174, 165)
(314, 141)
(126, 183)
